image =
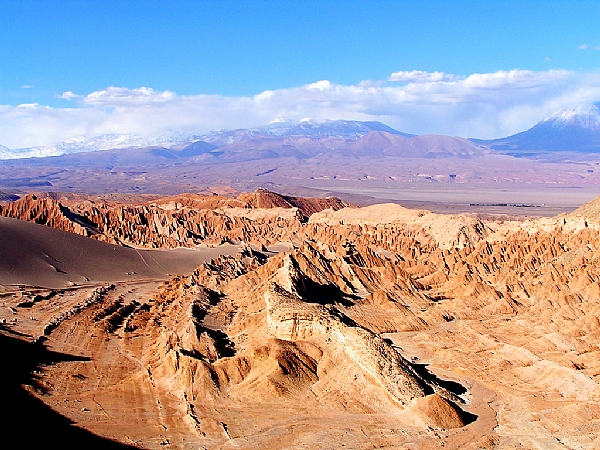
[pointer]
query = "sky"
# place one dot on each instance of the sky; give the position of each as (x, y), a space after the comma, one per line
(466, 68)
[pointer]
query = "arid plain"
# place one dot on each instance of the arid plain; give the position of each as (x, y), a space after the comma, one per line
(471, 185)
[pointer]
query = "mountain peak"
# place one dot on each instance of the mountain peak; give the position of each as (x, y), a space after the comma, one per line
(352, 129)
(584, 115)
(571, 129)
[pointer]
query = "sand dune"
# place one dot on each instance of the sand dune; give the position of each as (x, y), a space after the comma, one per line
(36, 255)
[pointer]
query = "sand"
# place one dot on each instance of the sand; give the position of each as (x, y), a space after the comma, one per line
(37, 255)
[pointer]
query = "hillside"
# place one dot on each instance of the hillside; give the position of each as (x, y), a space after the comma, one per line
(171, 222)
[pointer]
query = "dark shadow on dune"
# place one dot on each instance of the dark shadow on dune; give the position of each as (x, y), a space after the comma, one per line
(27, 422)
(450, 390)
(466, 416)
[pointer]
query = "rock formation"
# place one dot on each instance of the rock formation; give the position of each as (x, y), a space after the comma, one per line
(180, 221)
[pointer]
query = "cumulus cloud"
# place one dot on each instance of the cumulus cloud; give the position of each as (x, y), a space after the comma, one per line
(514, 79)
(483, 105)
(323, 85)
(119, 96)
(68, 95)
(420, 76)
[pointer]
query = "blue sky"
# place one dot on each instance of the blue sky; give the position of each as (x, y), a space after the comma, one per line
(80, 66)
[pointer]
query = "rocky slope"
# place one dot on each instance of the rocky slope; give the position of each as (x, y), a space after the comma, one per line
(261, 217)
(379, 326)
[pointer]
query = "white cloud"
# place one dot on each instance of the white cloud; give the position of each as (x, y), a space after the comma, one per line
(484, 105)
(597, 48)
(117, 96)
(583, 47)
(27, 86)
(420, 76)
(68, 95)
(323, 85)
(514, 79)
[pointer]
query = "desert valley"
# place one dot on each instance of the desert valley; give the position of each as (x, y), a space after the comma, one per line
(260, 320)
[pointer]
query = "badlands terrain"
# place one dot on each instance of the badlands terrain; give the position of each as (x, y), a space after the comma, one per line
(269, 321)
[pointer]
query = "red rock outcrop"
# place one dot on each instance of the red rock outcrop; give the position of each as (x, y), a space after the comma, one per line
(181, 221)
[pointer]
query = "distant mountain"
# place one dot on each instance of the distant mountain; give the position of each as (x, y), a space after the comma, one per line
(111, 142)
(307, 139)
(426, 146)
(342, 129)
(146, 157)
(574, 129)
(8, 153)
(372, 144)
(4, 151)
(262, 147)
(80, 144)
(348, 129)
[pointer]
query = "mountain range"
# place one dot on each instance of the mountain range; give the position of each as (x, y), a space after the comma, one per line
(316, 129)
(574, 129)
(259, 147)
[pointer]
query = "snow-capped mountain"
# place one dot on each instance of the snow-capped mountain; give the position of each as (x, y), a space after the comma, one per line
(111, 142)
(3, 151)
(347, 129)
(222, 138)
(572, 129)
(36, 152)
(582, 116)
(80, 144)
